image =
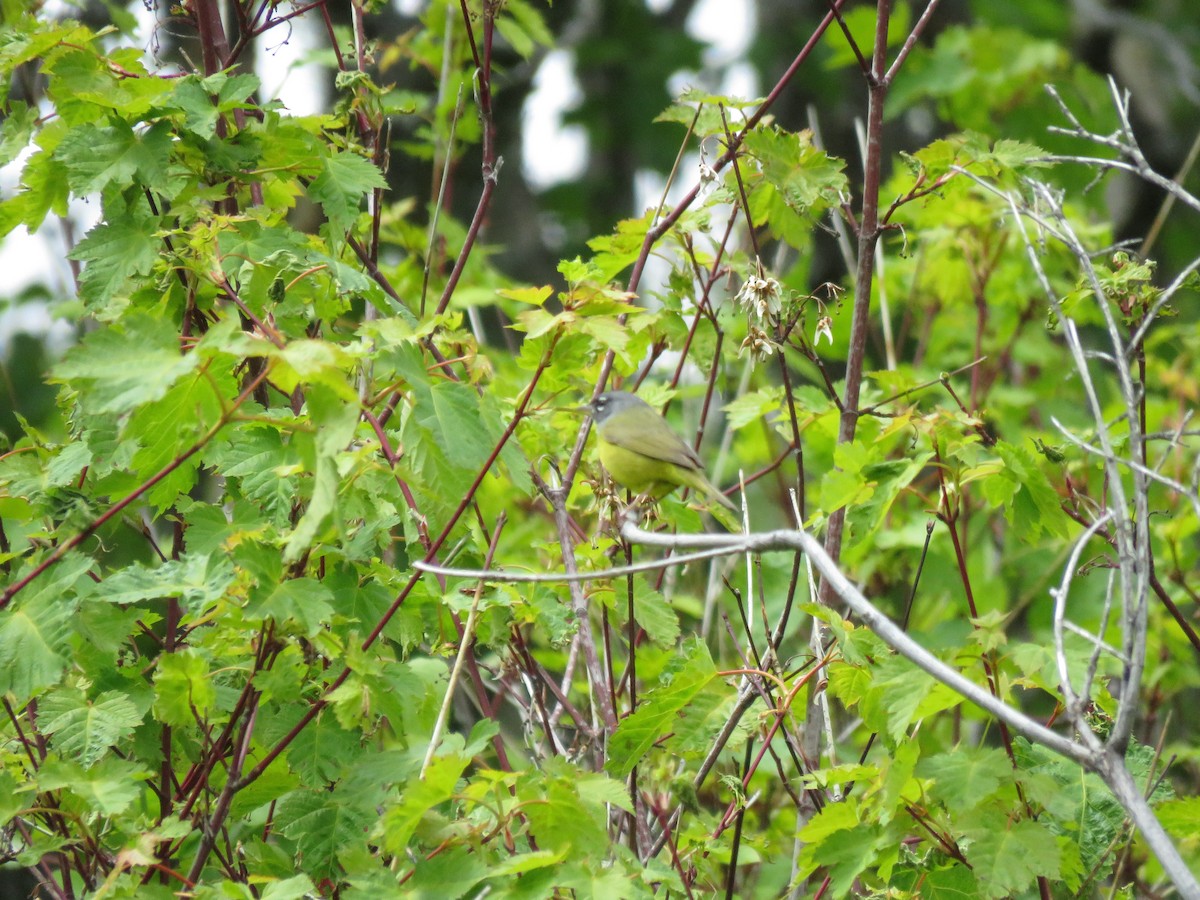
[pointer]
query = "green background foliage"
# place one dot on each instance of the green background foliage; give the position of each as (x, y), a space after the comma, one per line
(301, 363)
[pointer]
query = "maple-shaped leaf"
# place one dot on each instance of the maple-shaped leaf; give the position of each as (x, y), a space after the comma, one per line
(118, 368)
(84, 728)
(344, 180)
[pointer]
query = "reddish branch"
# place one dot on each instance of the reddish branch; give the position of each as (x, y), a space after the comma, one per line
(868, 236)
(67, 546)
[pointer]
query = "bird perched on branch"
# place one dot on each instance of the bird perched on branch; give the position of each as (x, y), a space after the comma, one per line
(644, 454)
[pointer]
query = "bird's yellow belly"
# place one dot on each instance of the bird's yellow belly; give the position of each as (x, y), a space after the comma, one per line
(641, 474)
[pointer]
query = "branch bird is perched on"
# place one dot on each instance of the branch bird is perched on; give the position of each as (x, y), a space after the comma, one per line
(642, 453)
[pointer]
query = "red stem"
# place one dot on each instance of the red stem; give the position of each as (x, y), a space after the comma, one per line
(868, 235)
(67, 546)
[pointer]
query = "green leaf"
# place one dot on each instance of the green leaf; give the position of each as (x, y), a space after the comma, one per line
(840, 488)
(83, 728)
(16, 131)
(955, 882)
(170, 427)
(323, 824)
(86, 86)
(420, 796)
(27, 38)
(232, 90)
(1078, 799)
(967, 776)
(887, 480)
(706, 716)
(1031, 503)
(709, 105)
(450, 411)
(200, 113)
(297, 887)
(67, 464)
(335, 423)
(835, 838)
(97, 157)
(599, 791)
(345, 178)
(100, 367)
(123, 247)
(796, 182)
(1019, 155)
(109, 787)
(849, 683)
(523, 27)
(607, 331)
(902, 694)
(535, 296)
(1007, 856)
(183, 688)
(564, 817)
(314, 362)
(1180, 817)
(655, 716)
(35, 629)
(753, 407)
(1004, 65)
(848, 484)
(302, 600)
(202, 100)
(446, 442)
(655, 615)
(323, 752)
(449, 874)
(898, 785)
(523, 862)
(196, 579)
(10, 802)
(262, 464)
(29, 645)
(494, 414)
(617, 251)
(44, 183)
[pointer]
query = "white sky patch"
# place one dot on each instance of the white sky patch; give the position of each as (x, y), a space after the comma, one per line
(552, 152)
(741, 81)
(34, 319)
(58, 9)
(25, 259)
(555, 153)
(725, 25)
(648, 190)
(280, 60)
(146, 19)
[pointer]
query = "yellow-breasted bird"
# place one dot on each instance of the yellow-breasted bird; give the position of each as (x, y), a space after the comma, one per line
(644, 454)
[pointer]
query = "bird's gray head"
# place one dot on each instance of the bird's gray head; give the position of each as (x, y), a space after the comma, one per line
(611, 403)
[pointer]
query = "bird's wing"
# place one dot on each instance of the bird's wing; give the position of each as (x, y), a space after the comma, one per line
(675, 451)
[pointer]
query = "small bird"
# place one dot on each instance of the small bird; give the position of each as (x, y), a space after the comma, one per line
(641, 451)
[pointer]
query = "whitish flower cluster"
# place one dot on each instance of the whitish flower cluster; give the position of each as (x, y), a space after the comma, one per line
(761, 298)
